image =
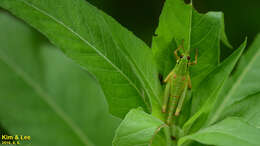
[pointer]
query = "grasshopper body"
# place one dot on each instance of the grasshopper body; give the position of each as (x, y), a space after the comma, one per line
(177, 83)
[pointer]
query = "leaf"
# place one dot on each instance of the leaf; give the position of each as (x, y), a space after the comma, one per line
(122, 63)
(243, 83)
(180, 21)
(231, 131)
(137, 129)
(205, 97)
(45, 95)
(248, 109)
(224, 37)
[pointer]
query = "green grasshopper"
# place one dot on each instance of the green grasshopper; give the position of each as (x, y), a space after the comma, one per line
(177, 83)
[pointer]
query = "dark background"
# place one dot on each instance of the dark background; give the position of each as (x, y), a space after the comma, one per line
(242, 17)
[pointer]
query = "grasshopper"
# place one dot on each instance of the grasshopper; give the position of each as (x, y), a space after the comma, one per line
(177, 83)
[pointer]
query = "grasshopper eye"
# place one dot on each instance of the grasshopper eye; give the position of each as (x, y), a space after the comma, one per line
(188, 57)
(181, 56)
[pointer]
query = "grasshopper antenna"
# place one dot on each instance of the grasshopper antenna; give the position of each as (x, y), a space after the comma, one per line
(178, 49)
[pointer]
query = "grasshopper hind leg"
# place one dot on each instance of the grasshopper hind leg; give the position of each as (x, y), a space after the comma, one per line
(172, 107)
(180, 103)
(166, 97)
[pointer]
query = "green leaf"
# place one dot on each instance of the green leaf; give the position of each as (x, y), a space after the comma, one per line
(248, 109)
(137, 129)
(224, 37)
(243, 83)
(231, 131)
(205, 97)
(122, 63)
(45, 95)
(180, 21)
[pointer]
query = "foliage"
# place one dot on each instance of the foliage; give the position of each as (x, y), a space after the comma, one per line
(222, 108)
(45, 95)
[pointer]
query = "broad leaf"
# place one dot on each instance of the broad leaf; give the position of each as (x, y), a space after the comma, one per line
(243, 83)
(248, 109)
(137, 129)
(231, 131)
(205, 97)
(122, 63)
(45, 95)
(180, 21)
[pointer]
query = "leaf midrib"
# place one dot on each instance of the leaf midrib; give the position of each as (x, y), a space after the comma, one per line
(141, 76)
(225, 133)
(191, 12)
(38, 89)
(85, 41)
(234, 87)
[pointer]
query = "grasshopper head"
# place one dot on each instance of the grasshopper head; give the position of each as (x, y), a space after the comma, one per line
(183, 58)
(182, 64)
